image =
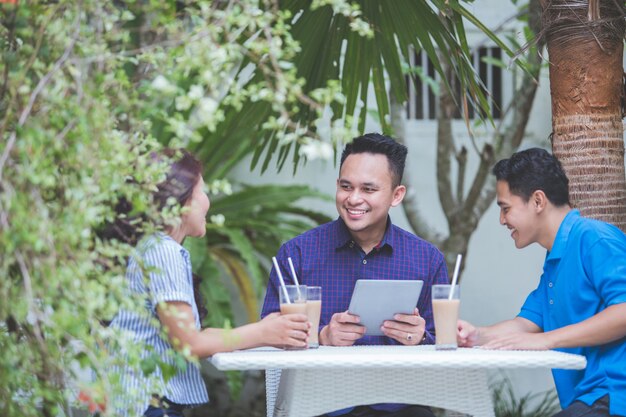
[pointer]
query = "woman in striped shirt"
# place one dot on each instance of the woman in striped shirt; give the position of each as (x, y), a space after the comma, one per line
(161, 275)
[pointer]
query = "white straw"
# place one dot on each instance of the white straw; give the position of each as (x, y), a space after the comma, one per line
(295, 278)
(455, 276)
(280, 278)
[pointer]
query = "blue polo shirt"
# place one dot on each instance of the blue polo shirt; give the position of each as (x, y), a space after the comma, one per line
(584, 273)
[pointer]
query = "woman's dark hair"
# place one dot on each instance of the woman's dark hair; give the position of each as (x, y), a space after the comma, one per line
(183, 175)
(531, 170)
(376, 143)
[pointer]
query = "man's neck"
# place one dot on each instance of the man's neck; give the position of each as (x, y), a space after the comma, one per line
(554, 218)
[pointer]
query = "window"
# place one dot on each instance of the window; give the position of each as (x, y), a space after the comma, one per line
(423, 103)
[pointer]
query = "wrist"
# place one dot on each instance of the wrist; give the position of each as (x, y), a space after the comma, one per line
(323, 336)
(478, 337)
(551, 340)
(259, 335)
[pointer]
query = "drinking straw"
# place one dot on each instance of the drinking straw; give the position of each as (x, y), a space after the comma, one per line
(455, 276)
(282, 281)
(295, 278)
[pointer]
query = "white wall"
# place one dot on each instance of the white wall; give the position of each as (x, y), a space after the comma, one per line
(497, 276)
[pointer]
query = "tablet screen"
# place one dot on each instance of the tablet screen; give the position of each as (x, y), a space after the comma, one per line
(375, 301)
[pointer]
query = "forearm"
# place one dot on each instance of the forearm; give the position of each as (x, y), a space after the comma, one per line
(605, 327)
(178, 322)
(516, 325)
(211, 341)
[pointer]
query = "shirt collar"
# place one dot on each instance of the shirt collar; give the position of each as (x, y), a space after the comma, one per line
(344, 238)
(162, 237)
(560, 240)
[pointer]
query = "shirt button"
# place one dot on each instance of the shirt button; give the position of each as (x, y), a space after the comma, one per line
(550, 284)
(351, 244)
(551, 301)
(364, 261)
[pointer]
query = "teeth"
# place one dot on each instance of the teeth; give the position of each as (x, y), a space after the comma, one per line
(357, 211)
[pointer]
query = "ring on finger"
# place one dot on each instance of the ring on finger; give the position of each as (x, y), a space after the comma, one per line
(409, 337)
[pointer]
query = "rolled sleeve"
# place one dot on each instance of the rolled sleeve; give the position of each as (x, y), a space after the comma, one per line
(168, 275)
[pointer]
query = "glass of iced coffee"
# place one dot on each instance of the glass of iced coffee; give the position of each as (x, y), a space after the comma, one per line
(446, 314)
(313, 311)
(293, 300)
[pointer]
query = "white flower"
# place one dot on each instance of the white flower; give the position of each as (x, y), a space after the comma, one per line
(207, 106)
(160, 83)
(183, 103)
(196, 92)
(315, 149)
(218, 219)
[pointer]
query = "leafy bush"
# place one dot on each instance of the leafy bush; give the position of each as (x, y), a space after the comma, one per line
(87, 91)
(506, 403)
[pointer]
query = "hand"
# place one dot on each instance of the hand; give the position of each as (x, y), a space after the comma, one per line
(285, 330)
(519, 341)
(467, 335)
(343, 330)
(407, 329)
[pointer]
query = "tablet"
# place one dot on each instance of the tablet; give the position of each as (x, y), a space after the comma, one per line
(377, 300)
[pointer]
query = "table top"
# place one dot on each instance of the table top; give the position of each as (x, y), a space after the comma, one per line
(393, 357)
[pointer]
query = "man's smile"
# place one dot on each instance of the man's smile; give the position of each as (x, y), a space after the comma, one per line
(355, 212)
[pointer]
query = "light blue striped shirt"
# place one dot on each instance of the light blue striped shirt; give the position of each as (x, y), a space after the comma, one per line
(170, 279)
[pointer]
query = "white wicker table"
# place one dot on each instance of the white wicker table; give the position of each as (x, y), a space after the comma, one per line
(316, 381)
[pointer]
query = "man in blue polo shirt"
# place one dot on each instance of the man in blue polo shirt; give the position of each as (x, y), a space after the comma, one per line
(363, 243)
(580, 303)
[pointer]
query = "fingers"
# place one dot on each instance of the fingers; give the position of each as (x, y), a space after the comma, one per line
(466, 334)
(296, 331)
(411, 319)
(344, 330)
(345, 317)
(407, 329)
(299, 317)
(297, 340)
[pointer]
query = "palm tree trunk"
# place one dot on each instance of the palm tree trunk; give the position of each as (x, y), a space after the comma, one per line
(585, 46)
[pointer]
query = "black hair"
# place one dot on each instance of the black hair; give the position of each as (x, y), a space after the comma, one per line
(531, 170)
(182, 176)
(376, 143)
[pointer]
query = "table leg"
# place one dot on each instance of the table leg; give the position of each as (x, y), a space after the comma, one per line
(311, 392)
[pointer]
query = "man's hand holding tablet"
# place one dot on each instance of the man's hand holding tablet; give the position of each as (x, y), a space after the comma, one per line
(378, 307)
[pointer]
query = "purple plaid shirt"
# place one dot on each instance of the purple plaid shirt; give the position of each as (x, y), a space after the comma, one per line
(328, 257)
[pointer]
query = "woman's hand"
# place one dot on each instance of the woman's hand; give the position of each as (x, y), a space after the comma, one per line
(285, 330)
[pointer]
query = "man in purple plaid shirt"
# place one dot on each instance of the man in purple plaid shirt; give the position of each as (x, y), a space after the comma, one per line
(363, 244)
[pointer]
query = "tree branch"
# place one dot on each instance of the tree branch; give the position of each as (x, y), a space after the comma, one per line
(445, 149)
(504, 144)
(409, 203)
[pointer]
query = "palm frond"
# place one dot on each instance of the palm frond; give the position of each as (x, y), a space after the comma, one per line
(331, 50)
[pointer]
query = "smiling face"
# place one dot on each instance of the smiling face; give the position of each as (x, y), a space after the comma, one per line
(365, 193)
(519, 216)
(194, 215)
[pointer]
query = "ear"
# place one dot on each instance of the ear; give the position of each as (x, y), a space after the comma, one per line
(539, 201)
(398, 195)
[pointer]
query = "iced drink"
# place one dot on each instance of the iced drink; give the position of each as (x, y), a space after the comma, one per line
(313, 311)
(297, 307)
(446, 315)
(296, 303)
